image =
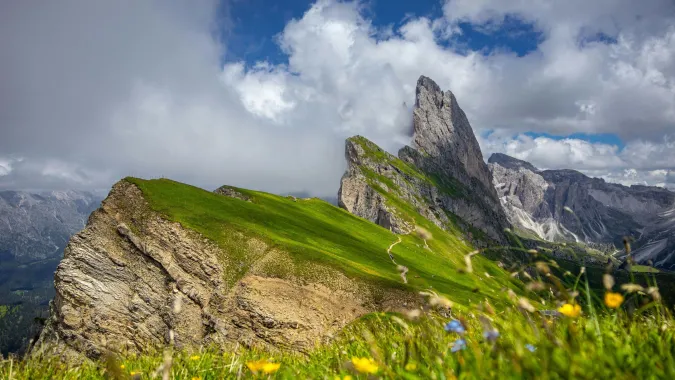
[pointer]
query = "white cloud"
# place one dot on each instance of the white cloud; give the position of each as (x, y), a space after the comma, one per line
(639, 162)
(152, 99)
(5, 166)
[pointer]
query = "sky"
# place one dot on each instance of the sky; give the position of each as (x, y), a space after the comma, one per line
(261, 94)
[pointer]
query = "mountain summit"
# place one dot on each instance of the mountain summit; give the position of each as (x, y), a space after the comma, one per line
(442, 131)
(442, 175)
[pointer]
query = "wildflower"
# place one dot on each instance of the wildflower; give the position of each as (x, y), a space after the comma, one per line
(535, 286)
(491, 335)
(436, 300)
(133, 373)
(269, 368)
(347, 377)
(550, 313)
(570, 310)
(195, 357)
(410, 367)
(196, 378)
(654, 292)
(123, 366)
(608, 281)
(530, 347)
(455, 326)
(613, 300)
(542, 267)
(365, 365)
(467, 262)
(459, 344)
(525, 305)
(630, 288)
(413, 314)
(263, 366)
(423, 233)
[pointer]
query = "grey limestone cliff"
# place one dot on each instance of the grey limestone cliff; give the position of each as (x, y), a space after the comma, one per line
(566, 205)
(442, 175)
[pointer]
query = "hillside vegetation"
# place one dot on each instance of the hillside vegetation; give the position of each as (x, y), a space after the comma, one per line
(312, 230)
(501, 327)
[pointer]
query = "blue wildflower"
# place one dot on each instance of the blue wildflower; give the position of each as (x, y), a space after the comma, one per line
(459, 344)
(491, 335)
(550, 313)
(530, 347)
(455, 326)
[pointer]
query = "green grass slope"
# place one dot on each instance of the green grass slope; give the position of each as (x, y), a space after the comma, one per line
(505, 338)
(312, 230)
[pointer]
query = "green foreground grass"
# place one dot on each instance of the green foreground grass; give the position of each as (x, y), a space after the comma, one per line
(507, 335)
(604, 344)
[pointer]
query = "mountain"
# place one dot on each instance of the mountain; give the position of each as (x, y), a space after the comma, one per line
(34, 229)
(442, 176)
(163, 262)
(36, 226)
(566, 205)
(656, 244)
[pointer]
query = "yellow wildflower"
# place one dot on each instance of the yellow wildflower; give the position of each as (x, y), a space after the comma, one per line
(613, 300)
(122, 366)
(347, 377)
(196, 378)
(134, 373)
(570, 310)
(195, 357)
(365, 365)
(410, 367)
(263, 366)
(270, 367)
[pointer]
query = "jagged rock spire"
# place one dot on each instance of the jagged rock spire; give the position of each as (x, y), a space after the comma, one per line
(441, 130)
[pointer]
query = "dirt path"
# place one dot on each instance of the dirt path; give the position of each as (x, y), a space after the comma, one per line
(390, 248)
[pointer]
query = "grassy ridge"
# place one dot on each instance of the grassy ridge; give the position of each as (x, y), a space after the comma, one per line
(507, 335)
(312, 230)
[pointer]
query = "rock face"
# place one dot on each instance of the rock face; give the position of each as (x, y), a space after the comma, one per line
(133, 280)
(34, 229)
(442, 133)
(565, 205)
(442, 176)
(36, 226)
(656, 244)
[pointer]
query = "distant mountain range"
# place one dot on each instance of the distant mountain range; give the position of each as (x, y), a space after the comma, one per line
(34, 230)
(566, 205)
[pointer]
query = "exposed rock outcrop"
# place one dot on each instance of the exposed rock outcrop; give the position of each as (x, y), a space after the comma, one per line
(132, 280)
(566, 205)
(443, 176)
(229, 191)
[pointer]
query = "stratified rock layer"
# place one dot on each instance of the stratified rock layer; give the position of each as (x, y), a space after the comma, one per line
(132, 280)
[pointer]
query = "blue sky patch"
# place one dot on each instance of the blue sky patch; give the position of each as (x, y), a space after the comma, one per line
(513, 34)
(602, 138)
(255, 23)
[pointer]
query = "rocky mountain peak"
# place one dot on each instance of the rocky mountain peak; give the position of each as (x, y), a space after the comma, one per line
(442, 131)
(442, 175)
(509, 162)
